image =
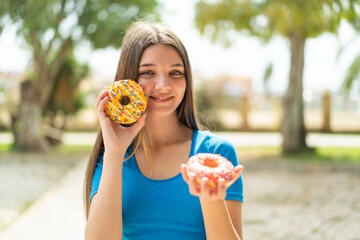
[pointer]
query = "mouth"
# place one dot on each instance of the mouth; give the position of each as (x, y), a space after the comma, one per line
(161, 99)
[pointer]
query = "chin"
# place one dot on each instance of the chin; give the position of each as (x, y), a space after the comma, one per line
(160, 112)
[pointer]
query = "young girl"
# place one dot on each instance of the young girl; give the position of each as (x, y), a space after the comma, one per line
(136, 186)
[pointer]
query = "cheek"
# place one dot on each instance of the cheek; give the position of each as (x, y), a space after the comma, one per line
(144, 85)
(181, 86)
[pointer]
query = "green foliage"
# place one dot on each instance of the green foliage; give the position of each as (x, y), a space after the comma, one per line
(103, 23)
(304, 18)
(267, 74)
(65, 95)
(53, 28)
(352, 14)
(353, 74)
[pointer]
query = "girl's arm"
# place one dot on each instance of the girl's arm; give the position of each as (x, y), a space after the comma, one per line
(105, 215)
(235, 210)
(222, 218)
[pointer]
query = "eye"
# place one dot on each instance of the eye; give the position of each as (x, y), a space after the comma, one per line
(146, 73)
(176, 73)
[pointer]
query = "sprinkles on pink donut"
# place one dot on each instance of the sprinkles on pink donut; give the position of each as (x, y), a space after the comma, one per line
(212, 166)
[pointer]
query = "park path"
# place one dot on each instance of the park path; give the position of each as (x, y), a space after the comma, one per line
(298, 203)
(56, 215)
(279, 204)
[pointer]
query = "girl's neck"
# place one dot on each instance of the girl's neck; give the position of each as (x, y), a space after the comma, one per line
(165, 130)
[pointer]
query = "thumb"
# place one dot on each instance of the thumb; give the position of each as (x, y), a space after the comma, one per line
(239, 168)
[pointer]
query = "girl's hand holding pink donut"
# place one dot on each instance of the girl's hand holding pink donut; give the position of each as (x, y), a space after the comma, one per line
(115, 136)
(209, 175)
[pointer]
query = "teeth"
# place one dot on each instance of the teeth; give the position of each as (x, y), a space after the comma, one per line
(161, 98)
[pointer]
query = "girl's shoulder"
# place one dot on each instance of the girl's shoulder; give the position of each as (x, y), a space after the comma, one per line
(207, 141)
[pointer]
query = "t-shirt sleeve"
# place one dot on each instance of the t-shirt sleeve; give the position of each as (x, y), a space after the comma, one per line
(227, 150)
(97, 175)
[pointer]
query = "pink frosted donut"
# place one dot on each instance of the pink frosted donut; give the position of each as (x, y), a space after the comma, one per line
(212, 166)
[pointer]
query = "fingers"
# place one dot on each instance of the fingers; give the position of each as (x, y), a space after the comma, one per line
(190, 180)
(101, 100)
(211, 193)
(184, 173)
(139, 124)
(101, 96)
(101, 112)
(205, 191)
(221, 192)
(193, 188)
(238, 170)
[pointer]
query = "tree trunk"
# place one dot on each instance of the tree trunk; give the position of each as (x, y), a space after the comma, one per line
(30, 132)
(245, 112)
(34, 96)
(326, 109)
(293, 128)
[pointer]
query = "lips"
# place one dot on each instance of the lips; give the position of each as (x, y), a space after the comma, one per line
(161, 98)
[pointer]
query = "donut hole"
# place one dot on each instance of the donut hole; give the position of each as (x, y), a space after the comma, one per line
(209, 162)
(125, 100)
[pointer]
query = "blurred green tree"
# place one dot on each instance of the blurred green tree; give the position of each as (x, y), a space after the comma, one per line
(294, 20)
(65, 98)
(353, 72)
(51, 30)
(267, 74)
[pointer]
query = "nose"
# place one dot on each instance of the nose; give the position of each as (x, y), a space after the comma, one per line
(163, 83)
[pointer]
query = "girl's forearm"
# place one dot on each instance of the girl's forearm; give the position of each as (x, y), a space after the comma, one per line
(105, 216)
(218, 224)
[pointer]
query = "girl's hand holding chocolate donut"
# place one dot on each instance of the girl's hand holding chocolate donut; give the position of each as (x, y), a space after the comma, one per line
(203, 191)
(115, 136)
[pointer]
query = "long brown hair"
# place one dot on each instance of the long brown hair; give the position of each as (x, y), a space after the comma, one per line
(139, 36)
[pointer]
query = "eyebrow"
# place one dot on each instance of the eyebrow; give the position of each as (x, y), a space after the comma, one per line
(151, 65)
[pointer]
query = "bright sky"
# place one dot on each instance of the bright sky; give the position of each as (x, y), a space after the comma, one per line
(247, 57)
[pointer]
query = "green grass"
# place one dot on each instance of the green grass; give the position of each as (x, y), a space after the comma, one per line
(6, 148)
(322, 154)
(259, 151)
(59, 150)
(72, 149)
(336, 154)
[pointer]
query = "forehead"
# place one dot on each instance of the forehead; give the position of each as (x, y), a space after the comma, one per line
(160, 54)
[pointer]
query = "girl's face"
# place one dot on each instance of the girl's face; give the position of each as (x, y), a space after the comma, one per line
(161, 74)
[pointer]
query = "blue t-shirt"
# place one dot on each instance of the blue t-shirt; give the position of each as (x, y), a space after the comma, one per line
(164, 209)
